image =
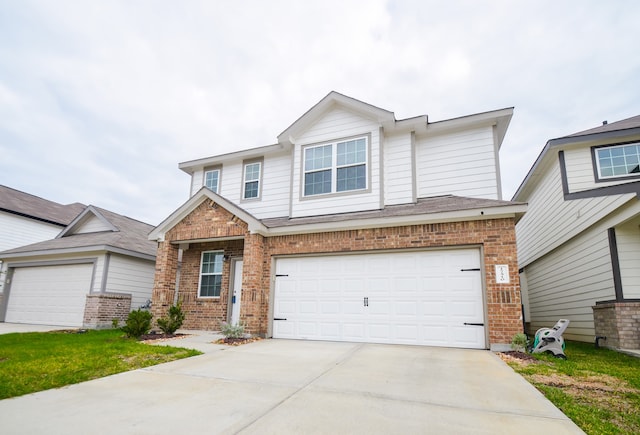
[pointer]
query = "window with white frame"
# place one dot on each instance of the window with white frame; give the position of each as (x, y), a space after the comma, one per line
(618, 161)
(210, 274)
(335, 167)
(212, 179)
(251, 180)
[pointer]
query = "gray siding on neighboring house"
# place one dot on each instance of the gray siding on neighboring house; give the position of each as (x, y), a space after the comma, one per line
(551, 220)
(628, 241)
(461, 164)
(580, 171)
(131, 276)
(567, 282)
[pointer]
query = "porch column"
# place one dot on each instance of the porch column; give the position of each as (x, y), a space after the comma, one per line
(254, 293)
(165, 278)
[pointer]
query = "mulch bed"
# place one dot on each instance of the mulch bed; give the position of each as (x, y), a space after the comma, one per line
(237, 341)
(154, 337)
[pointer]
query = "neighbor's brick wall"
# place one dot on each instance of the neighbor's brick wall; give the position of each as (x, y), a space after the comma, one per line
(497, 237)
(101, 309)
(620, 323)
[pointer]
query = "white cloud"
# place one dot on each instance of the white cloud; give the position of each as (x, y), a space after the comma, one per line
(100, 100)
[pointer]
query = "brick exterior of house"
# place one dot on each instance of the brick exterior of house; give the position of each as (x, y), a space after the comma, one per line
(101, 309)
(209, 221)
(619, 322)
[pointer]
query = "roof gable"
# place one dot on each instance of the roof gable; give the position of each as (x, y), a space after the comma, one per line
(333, 99)
(89, 221)
(203, 194)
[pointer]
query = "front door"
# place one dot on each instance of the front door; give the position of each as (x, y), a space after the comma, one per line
(236, 295)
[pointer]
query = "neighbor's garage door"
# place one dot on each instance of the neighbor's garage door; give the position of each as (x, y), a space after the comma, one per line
(430, 298)
(49, 295)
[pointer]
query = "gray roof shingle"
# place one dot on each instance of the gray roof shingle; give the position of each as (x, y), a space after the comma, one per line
(438, 204)
(25, 204)
(624, 124)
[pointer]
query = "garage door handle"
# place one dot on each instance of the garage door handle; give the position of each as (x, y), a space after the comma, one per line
(470, 270)
(278, 318)
(474, 324)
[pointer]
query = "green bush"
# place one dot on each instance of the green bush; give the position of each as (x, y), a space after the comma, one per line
(520, 342)
(232, 331)
(171, 323)
(138, 323)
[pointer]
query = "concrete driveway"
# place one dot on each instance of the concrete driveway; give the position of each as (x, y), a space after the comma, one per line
(298, 387)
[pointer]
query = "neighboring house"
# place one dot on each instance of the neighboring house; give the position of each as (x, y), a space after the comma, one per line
(354, 226)
(579, 243)
(99, 267)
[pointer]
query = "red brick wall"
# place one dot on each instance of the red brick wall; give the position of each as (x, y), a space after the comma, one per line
(101, 309)
(497, 238)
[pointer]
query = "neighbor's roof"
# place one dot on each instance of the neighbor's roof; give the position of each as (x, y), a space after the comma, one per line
(633, 122)
(610, 131)
(24, 204)
(129, 237)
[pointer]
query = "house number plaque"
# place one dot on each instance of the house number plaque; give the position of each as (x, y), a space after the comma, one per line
(502, 274)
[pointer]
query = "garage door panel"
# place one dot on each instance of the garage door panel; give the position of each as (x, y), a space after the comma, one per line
(49, 295)
(418, 297)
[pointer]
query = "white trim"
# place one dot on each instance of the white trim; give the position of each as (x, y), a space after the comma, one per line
(82, 249)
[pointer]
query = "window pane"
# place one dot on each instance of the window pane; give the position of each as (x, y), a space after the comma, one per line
(251, 189)
(211, 180)
(351, 152)
(351, 178)
(316, 183)
(252, 172)
(317, 158)
(210, 285)
(619, 161)
(212, 262)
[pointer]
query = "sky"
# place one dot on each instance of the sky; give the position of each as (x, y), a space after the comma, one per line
(100, 100)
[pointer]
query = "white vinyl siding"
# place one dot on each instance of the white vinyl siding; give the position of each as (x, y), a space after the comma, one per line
(567, 282)
(131, 276)
(197, 181)
(462, 164)
(628, 241)
(336, 125)
(398, 169)
(91, 224)
(551, 221)
(19, 231)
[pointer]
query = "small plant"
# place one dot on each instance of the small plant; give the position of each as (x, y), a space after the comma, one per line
(115, 322)
(171, 323)
(520, 342)
(232, 331)
(138, 323)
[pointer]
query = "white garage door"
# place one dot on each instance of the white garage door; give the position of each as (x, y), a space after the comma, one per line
(430, 298)
(49, 295)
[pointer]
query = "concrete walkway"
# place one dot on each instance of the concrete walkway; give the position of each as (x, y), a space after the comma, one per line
(297, 387)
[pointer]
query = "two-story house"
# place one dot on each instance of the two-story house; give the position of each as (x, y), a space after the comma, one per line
(354, 226)
(579, 243)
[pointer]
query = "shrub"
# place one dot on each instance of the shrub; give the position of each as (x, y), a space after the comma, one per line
(138, 323)
(519, 342)
(232, 331)
(171, 323)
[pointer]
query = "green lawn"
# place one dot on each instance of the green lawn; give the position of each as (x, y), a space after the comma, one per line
(599, 389)
(37, 361)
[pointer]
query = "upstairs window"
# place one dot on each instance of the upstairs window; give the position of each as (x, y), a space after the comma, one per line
(251, 180)
(210, 274)
(618, 161)
(212, 179)
(336, 167)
